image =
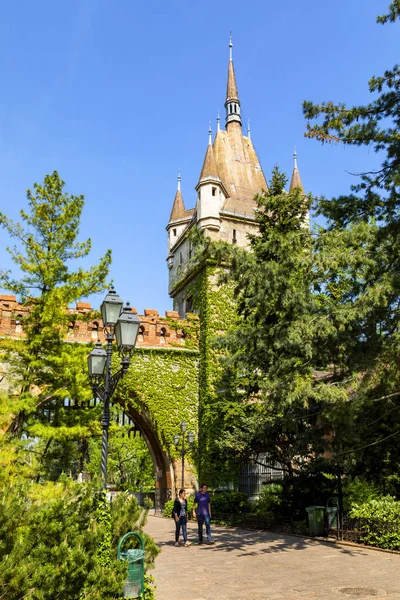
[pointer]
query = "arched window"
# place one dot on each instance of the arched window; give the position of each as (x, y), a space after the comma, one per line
(70, 332)
(163, 332)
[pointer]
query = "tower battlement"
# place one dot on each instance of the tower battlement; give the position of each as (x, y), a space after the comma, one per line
(86, 326)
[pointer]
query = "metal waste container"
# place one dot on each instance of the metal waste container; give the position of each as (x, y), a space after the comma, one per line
(134, 585)
(332, 517)
(315, 520)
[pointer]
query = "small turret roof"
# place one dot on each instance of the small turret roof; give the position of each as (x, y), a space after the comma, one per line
(178, 209)
(209, 169)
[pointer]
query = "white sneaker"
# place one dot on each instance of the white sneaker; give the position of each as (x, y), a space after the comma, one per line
(188, 543)
(177, 544)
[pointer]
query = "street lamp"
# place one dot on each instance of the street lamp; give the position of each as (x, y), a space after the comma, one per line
(190, 439)
(122, 324)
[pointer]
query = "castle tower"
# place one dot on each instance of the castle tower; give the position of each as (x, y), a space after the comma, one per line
(230, 178)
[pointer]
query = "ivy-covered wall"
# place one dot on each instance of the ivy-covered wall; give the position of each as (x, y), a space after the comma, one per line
(165, 384)
(217, 314)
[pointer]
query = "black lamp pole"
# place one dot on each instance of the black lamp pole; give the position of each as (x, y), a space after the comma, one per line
(105, 422)
(122, 325)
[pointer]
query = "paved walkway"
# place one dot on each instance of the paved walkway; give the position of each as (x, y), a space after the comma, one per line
(256, 565)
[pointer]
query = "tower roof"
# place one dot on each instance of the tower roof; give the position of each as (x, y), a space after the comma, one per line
(231, 88)
(295, 182)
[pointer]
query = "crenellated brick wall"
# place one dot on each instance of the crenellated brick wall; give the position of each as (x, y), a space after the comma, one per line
(155, 331)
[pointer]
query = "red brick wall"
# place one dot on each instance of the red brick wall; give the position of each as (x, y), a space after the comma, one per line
(155, 330)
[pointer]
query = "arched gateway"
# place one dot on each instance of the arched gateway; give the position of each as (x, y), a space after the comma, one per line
(160, 389)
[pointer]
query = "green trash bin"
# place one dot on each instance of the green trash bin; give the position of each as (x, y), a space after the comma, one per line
(315, 520)
(134, 585)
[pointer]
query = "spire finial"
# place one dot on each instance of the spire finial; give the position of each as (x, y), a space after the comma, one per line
(209, 134)
(179, 180)
(248, 130)
(230, 45)
(218, 122)
(295, 158)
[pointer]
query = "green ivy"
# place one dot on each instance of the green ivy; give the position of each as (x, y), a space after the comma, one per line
(163, 383)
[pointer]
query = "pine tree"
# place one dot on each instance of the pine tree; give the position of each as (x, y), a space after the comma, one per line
(48, 371)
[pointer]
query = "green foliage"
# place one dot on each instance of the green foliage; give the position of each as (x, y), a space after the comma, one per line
(60, 540)
(380, 522)
(130, 466)
(148, 588)
(269, 500)
(229, 503)
(50, 539)
(164, 383)
(357, 491)
(47, 371)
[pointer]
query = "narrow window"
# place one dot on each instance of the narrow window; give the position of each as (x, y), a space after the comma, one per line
(234, 239)
(70, 330)
(180, 258)
(174, 230)
(140, 336)
(95, 331)
(213, 191)
(162, 335)
(234, 107)
(189, 303)
(190, 250)
(18, 324)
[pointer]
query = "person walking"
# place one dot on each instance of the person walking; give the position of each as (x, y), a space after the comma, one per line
(203, 512)
(180, 515)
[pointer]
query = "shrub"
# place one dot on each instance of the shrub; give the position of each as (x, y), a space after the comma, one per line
(269, 500)
(380, 522)
(59, 541)
(229, 503)
(357, 491)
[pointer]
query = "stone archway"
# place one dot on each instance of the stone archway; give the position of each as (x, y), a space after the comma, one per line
(163, 467)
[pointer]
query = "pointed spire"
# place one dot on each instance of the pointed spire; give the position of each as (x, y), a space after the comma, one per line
(209, 170)
(178, 208)
(209, 134)
(296, 179)
(232, 103)
(248, 130)
(218, 122)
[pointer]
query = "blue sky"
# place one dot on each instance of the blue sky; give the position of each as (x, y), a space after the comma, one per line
(117, 96)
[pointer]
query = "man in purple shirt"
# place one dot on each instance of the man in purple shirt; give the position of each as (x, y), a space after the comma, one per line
(203, 501)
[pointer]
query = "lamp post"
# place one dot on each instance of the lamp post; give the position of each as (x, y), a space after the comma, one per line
(190, 438)
(123, 325)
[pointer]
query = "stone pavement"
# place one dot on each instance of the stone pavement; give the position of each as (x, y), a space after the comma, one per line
(258, 565)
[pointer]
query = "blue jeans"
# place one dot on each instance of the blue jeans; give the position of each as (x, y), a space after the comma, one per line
(178, 525)
(201, 519)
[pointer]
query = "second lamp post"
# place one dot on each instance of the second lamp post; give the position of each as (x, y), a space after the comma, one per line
(190, 438)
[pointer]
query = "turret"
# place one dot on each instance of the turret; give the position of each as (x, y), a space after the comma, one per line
(178, 221)
(210, 192)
